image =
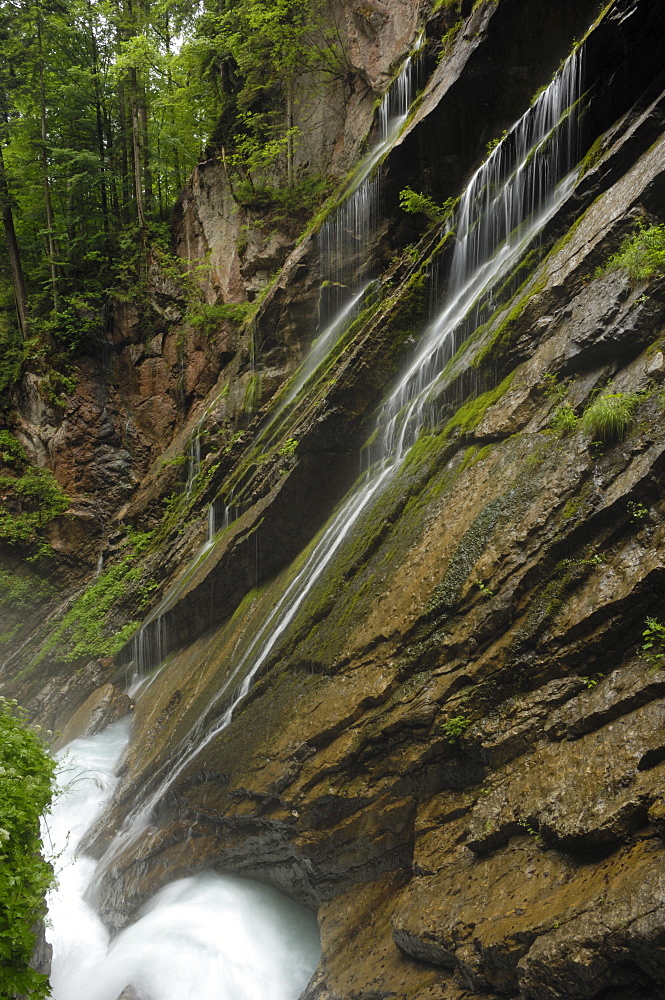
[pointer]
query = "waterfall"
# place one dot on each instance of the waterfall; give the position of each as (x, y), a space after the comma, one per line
(346, 236)
(523, 182)
(506, 204)
(212, 937)
(353, 221)
(193, 459)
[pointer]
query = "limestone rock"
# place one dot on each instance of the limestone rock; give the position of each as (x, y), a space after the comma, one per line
(105, 705)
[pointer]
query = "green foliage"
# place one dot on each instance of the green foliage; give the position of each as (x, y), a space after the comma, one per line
(208, 317)
(653, 647)
(22, 592)
(416, 204)
(454, 727)
(252, 394)
(642, 255)
(565, 420)
(29, 498)
(551, 387)
(26, 780)
(532, 832)
(288, 447)
(610, 415)
(637, 511)
(83, 631)
(493, 143)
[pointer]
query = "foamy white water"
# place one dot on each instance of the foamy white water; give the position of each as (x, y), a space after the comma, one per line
(210, 937)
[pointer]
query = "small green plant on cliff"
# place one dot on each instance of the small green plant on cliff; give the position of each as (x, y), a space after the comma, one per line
(532, 832)
(565, 420)
(493, 143)
(454, 727)
(637, 511)
(26, 781)
(653, 647)
(288, 447)
(421, 204)
(642, 255)
(550, 386)
(610, 416)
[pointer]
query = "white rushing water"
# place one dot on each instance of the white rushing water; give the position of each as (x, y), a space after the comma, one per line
(346, 236)
(209, 937)
(526, 178)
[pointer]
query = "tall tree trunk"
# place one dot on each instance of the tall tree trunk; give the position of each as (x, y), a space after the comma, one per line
(136, 149)
(289, 134)
(99, 124)
(124, 153)
(44, 163)
(145, 148)
(18, 281)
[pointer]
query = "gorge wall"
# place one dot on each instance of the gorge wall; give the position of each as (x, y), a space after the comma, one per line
(451, 743)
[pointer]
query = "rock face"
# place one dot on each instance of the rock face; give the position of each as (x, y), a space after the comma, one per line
(453, 746)
(105, 705)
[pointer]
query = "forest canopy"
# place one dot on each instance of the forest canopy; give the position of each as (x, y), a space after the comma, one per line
(105, 106)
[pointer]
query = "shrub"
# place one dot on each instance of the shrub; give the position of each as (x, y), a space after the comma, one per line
(565, 419)
(642, 255)
(26, 778)
(455, 726)
(30, 498)
(610, 416)
(653, 647)
(416, 204)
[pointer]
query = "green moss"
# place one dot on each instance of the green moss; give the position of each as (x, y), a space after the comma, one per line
(83, 630)
(572, 508)
(30, 499)
(472, 412)
(593, 155)
(503, 334)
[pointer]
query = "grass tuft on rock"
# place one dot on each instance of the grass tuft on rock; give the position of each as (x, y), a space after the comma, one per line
(642, 255)
(610, 416)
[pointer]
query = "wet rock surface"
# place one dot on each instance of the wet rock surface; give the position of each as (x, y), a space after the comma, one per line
(106, 705)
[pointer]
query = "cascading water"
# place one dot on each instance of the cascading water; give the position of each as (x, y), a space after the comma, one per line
(527, 177)
(212, 937)
(345, 238)
(157, 954)
(506, 204)
(351, 226)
